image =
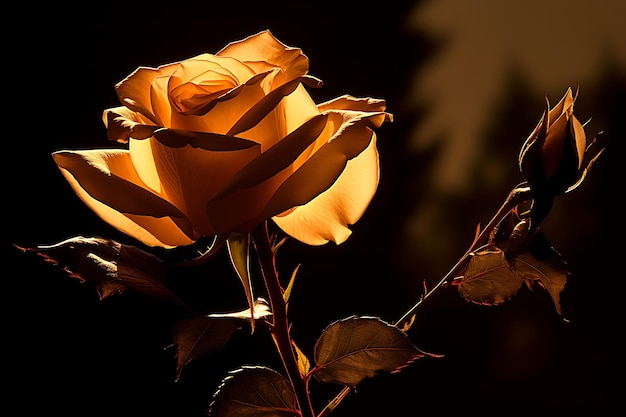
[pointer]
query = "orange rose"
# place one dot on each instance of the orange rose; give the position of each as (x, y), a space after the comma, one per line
(219, 143)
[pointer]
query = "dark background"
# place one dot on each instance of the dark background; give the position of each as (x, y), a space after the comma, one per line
(69, 353)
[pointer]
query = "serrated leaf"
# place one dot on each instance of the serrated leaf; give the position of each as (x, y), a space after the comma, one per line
(356, 348)
(254, 392)
(112, 267)
(488, 278)
(199, 336)
(239, 251)
(544, 264)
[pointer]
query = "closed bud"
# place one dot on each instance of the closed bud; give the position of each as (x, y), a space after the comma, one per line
(551, 159)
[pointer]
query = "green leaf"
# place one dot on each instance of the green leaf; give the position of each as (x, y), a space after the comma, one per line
(239, 251)
(287, 292)
(304, 365)
(112, 267)
(254, 392)
(355, 348)
(489, 279)
(199, 336)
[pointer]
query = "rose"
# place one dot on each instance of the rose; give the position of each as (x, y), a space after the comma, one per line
(552, 156)
(219, 143)
(555, 157)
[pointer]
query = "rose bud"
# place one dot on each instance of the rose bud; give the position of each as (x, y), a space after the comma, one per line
(218, 143)
(555, 157)
(551, 157)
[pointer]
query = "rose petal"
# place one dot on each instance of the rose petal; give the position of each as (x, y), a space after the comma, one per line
(123, 123)
(320, 171)
(160, 101)
(348, 102)
(142, 151)
(326, 217)
(277, 158)
(134, 90)
(345, 135)
(208, 105)
(177, 138)
(565, 103)
(263, 107)
(224, 112)
(106, 181)
(290, 113)
(190, 175)
(554, 145)
(266, 51)
(199, 81)
(580, 138)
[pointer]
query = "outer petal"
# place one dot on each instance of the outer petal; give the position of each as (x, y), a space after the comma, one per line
(348, 102)
(106, 181)
(123, 123)
(562, 106)
(321, 171)
(326, 217)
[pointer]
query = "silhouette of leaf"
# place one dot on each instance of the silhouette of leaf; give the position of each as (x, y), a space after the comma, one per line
(544, 264)
(355, 348)
(112, 267)
(254, 392)
(489, 279)
(199, 336)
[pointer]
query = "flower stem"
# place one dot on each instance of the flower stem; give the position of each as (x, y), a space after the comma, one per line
(517, 196)
(280, 327)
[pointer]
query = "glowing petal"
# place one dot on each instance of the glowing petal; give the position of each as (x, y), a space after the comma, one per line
(324, 167)
(348, 102)
(267, 51)
(134, 90)
(190, 175)
(198, 82)
(263, 107)
(123, 123)
(276, 158)
(562, 106)
(326, 217)
(105, 180)
(239, 203)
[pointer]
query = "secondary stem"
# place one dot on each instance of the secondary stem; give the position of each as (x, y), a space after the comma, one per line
(517, 196)
(280, 328)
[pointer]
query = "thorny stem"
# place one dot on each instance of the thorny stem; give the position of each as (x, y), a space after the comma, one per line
(517, 196)
(280, 327)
